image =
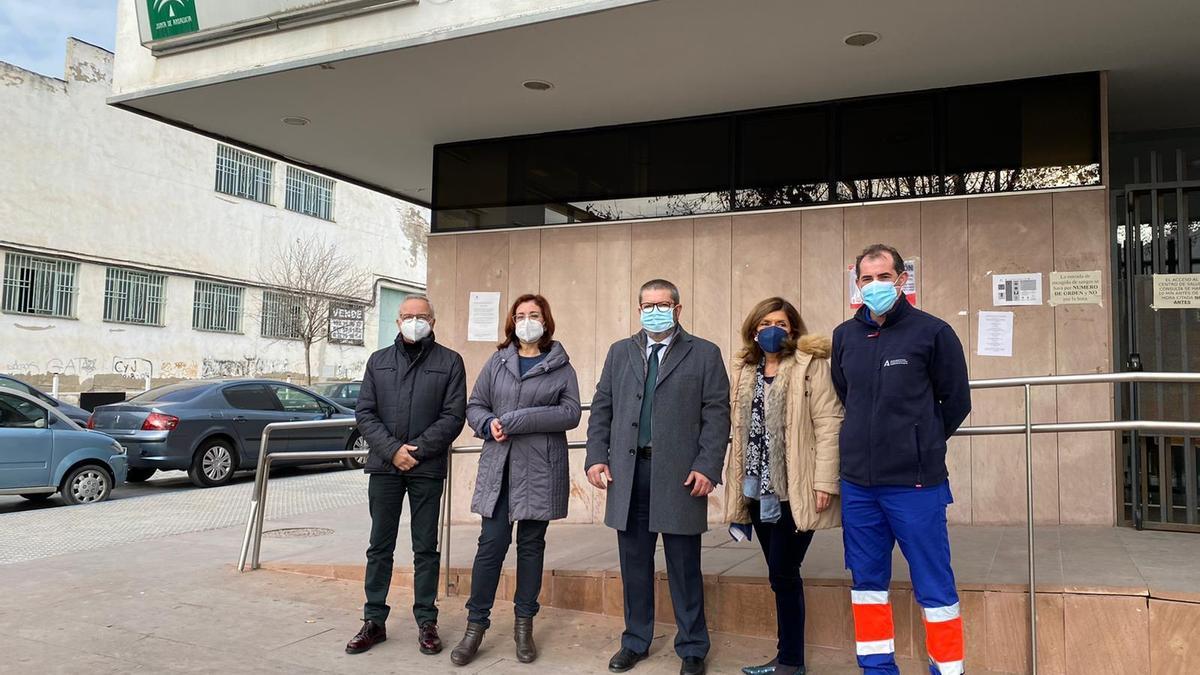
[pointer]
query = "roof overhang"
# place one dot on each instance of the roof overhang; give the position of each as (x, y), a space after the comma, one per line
(376, 112)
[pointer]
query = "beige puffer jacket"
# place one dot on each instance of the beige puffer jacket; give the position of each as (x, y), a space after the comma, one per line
(814, 418)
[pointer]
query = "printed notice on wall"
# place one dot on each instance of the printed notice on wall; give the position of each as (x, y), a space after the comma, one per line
(483, 320)
(910, 286)
(1075, 288)
(995, 334)
(1176, 291)
(1017, 289)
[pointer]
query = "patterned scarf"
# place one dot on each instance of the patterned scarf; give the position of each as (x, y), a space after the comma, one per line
(758, 443)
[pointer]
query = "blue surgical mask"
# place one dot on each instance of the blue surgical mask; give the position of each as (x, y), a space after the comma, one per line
(880, 296)
(771, 339)
(656, 320)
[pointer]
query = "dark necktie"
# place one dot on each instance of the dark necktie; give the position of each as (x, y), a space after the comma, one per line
(648, 397)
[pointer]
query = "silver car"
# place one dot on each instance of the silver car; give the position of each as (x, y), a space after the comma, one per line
(212, 428)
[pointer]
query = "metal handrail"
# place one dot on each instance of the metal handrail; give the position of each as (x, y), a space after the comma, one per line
(254, 524)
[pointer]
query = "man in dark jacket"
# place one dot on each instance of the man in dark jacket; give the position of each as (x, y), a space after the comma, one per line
(903, 379)
(411, 407)
(656, 441)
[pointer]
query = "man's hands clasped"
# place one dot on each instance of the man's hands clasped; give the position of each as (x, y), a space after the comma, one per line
(404, 459)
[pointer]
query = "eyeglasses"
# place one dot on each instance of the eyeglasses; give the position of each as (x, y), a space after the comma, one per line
(536, 316)
(660, 306)
(422, 317)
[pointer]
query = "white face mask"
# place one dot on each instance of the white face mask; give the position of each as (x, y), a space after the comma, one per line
(529, 330)
(415, 330)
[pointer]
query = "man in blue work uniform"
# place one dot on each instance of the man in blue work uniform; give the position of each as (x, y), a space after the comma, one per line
(902, 377)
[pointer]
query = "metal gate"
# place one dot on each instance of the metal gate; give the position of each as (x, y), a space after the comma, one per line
(1158, 234)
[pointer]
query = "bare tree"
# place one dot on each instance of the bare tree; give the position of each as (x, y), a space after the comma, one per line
(310, 280)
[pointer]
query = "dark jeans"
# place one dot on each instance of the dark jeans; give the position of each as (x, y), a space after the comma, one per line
(386, 497)
(636, 545)
(784, 549)
(494, 540)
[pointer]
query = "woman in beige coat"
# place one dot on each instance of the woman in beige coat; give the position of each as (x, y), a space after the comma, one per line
(782, 476)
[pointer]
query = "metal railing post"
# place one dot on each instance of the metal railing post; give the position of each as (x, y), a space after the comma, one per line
(254, 522)
(447, 517)
(1029, 528)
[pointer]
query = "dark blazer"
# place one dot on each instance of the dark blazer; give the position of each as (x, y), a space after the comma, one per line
(421, 402)
(690, 429)
(905, 388)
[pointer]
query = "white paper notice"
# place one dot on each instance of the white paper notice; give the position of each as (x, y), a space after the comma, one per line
(483, 321)
(995, 334)
(1176, 291)
(1017, 289)
(1075, 288)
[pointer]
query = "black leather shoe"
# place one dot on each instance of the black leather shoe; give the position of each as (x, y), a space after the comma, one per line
(625, 660)
(764, 669)
(428, 640)
(368, 636)
(692, 665)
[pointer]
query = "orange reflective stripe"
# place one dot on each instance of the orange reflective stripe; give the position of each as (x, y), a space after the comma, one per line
(944, 640)
(873, 623)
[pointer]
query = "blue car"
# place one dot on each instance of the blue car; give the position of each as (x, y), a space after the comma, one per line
(43, 452)
(78, 415)
(212, 428)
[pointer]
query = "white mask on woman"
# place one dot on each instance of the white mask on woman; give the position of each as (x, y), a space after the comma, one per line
(529, 331)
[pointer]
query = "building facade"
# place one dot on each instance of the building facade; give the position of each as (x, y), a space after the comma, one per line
(133, 250)
(745, 152)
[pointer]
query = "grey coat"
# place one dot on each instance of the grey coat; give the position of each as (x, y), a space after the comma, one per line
(536, 411)
(690, 429)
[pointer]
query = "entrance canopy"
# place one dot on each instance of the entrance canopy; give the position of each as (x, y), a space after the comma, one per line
(372, 113)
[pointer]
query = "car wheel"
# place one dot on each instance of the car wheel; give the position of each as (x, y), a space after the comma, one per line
(213, 464)
(357, 442)
(139, 475)
(87, 484)
(38, 496)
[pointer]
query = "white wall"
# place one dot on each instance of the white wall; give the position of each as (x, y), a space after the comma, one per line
(102, 186)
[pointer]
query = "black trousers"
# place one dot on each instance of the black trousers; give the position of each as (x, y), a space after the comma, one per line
(785, 549)
(636, 545)
(494, 539)
(386, 497)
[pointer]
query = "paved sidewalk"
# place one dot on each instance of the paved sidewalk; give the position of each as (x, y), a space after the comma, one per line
(175, 604)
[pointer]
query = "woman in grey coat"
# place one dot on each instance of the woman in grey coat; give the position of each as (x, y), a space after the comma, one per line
(523, 403)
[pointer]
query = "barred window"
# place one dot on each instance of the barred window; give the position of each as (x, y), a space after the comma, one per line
(309, 193)
(281, 315)
(242, 174)
(131, 296)
(346, 323)
(42, 286)
(217, 307)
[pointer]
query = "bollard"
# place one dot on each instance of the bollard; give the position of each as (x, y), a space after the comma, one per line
(147, 383)
(54, 387)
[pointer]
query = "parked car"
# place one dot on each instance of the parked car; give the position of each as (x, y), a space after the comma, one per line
(77, 414)
(212, 428)
(43, 452)
(342, 393)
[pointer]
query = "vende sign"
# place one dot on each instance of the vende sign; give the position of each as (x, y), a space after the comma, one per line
(171, 25)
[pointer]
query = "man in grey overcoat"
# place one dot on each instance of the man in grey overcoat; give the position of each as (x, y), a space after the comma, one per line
(656, 442)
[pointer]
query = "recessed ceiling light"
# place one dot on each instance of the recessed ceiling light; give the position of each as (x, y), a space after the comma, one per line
(861, 39)
(537, 85)
(295, 121)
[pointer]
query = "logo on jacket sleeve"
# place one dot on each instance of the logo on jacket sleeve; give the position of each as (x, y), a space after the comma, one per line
(895, 362)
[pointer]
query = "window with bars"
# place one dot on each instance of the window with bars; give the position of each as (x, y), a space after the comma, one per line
(309, 193)
(131, 296)
(282, 315)
(43, 286)
(244, 175)
(217, 307)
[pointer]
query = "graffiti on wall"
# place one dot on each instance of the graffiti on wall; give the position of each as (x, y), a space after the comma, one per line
(247, 366)
(133, 367)
(78, 365)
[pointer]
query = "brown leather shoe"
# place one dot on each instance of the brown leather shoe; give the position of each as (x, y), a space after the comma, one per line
(428, 639)
(371, 634)
(465, 652)
(523, 635)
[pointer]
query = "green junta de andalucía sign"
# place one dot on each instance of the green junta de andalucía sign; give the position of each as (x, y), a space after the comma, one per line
(171, 17)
